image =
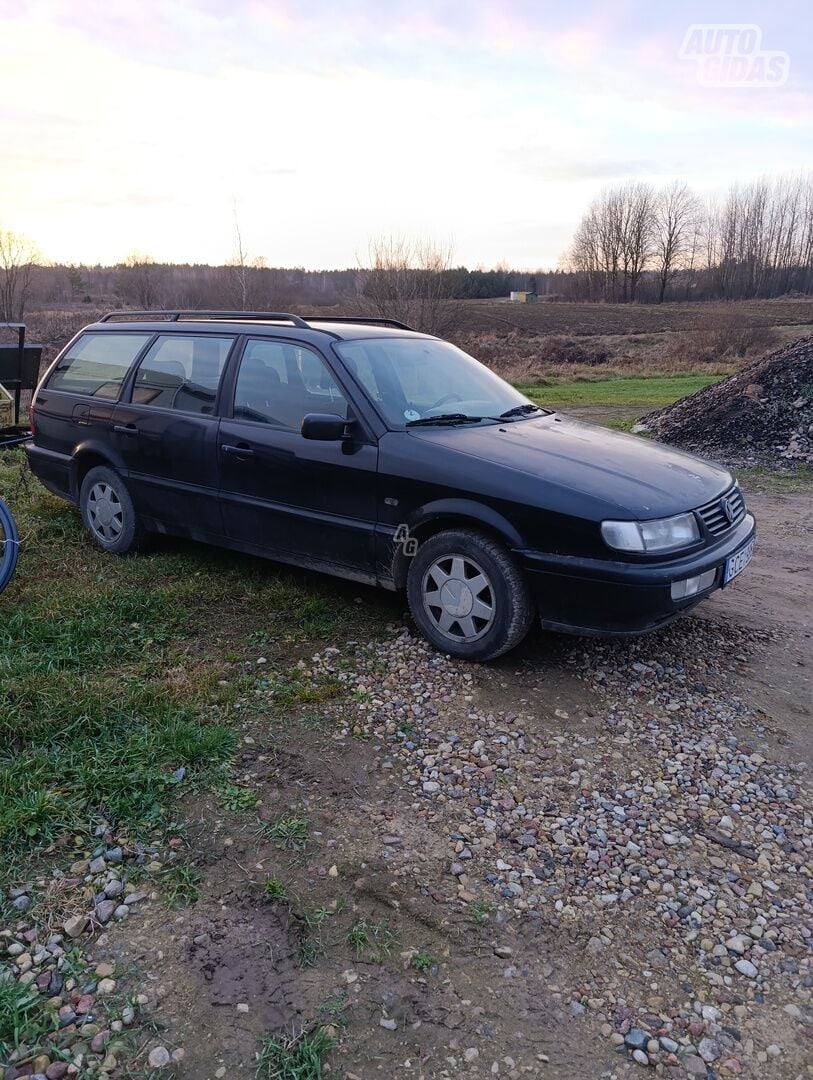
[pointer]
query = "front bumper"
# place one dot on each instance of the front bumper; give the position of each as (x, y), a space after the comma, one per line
(607, 597)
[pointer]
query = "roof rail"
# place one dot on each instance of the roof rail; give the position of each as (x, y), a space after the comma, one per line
(360, 319)
(205, 316)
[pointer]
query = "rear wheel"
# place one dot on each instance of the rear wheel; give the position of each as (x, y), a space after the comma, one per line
(467, 595)
(108, 512)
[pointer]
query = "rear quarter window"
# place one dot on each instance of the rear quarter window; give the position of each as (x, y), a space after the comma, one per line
(96, 364)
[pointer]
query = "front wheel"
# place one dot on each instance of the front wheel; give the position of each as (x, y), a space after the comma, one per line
(467, 595)
(108, 512)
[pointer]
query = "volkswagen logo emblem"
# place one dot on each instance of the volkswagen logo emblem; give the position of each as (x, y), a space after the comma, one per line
(729, 505)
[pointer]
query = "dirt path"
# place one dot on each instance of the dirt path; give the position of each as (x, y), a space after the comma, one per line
(531, 868)
(777, 591)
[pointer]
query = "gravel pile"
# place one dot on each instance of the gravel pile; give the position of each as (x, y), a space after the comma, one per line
(665, 827)
(761, 415)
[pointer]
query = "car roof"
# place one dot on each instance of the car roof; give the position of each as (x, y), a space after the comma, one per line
(270, 324)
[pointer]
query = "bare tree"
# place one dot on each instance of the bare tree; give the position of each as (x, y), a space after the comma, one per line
(635, 203)
(411, 281)
(139, 280)
(675, 230)
(246, 273)
(240, 265)
(17, 260)
(758, 241)
(613, 242)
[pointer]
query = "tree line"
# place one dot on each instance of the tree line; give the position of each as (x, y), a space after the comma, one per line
(635, 243)
(638, 243)
(140, 281)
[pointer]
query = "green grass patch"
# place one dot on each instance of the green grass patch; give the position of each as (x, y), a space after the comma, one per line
(180, 883)
(373, 940)
(311, 944)
(423, 962)
(290, 832)
(275, 889)
(234, 797)
(22, 1016)
(332, 1010)
(294, 688)
(311, 950)
(112, 670)
(295, 1057)
(643, 393)
(480, 910)
(768, 481)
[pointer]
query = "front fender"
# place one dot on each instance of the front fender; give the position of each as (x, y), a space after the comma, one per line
(395, 543)
(465, 510)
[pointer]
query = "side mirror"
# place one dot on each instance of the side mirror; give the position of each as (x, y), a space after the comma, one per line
(325, 427)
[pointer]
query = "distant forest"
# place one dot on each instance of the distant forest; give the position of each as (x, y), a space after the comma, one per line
(635, 243)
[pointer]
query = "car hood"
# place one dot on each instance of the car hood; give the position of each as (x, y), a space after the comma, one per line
(639, 478)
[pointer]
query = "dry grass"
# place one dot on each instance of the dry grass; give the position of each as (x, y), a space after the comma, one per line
(718, 348)
(522, 359)
(576, 320)
(549, 342)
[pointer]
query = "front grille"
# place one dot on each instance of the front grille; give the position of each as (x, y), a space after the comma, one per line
(714, 514)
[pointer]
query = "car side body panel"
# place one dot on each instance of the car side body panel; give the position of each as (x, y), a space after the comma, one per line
(541, 484)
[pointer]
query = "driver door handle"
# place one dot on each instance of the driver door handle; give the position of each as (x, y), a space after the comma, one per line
(238, 451)
(125, 429)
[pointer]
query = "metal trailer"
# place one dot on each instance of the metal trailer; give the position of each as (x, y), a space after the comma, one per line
(19, 370)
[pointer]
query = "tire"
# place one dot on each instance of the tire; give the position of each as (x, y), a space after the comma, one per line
(486, 608)
(108, 513)
(9, 545)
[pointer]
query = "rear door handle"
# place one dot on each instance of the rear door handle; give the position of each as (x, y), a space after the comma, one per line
(125, 429)
(237, 451)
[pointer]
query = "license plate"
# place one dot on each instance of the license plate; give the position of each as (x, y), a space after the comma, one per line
(738, 562)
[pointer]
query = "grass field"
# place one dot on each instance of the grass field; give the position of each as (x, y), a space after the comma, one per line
(632, 393)
(110, 669)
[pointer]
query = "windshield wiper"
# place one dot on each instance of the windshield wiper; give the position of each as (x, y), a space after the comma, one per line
(521, 410)
(447, 418)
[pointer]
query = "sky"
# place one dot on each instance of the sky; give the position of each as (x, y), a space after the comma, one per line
(488, 126)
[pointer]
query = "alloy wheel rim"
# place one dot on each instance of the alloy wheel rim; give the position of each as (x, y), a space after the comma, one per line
(105, 512)
(458, 598)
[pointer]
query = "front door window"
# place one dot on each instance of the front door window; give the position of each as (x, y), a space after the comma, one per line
(279, 384)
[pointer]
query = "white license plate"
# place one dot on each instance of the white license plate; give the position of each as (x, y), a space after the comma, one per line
(738, 562)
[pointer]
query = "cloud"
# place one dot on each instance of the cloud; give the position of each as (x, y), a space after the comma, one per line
(541, 166)
(126, 124)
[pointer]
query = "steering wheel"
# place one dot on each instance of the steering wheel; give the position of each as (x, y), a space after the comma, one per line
(445, 401)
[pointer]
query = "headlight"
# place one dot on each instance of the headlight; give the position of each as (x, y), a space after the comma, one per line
(665, 534)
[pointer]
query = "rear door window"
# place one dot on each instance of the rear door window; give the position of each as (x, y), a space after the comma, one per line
(96, 364)
(182, 372)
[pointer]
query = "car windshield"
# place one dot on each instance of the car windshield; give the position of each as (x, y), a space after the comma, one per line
(414, 379)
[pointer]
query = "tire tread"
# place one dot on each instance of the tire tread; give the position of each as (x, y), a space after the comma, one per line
(520, 605)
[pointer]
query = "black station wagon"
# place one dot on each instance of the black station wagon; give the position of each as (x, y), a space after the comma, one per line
(363, 449)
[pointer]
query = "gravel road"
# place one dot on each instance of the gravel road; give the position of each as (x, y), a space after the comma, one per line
(607, 846)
